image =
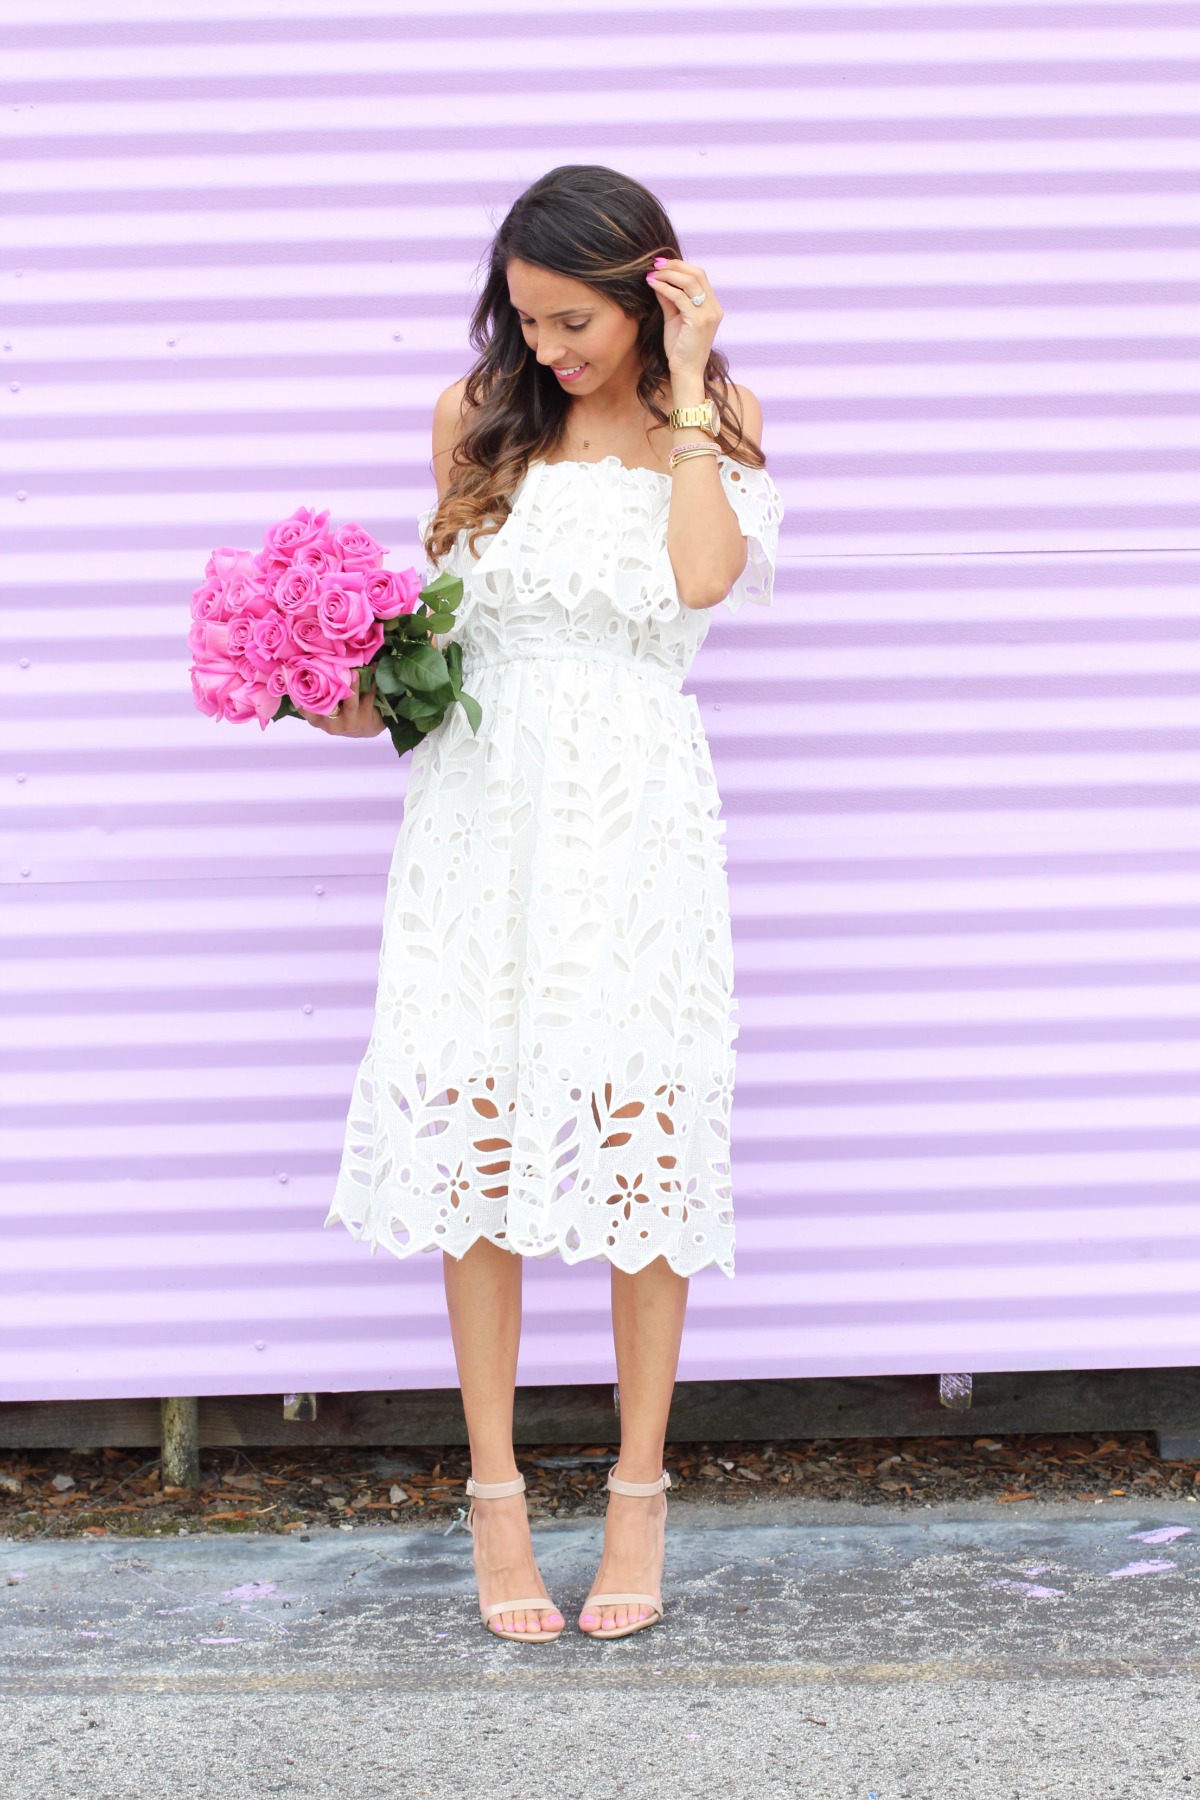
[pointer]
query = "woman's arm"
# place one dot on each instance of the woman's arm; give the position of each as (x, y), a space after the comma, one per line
(704, 536)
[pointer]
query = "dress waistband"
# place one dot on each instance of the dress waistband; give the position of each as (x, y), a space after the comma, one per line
(672, 679)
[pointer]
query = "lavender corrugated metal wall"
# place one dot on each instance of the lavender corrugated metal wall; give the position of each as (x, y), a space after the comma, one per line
(957, 250)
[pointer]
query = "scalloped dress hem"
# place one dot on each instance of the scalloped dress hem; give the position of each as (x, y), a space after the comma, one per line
(541, 1253)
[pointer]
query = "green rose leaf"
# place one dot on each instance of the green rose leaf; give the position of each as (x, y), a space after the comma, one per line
(387, 676)
(422, 667)
(405, 736)
(446, 587)
(473, 711)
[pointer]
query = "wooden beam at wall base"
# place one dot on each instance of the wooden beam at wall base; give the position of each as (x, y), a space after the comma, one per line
(1163, 1400)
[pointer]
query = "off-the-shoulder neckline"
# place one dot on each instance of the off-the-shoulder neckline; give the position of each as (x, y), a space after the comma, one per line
(577, 462)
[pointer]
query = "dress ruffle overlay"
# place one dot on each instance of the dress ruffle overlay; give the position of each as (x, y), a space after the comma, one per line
(551, 1064)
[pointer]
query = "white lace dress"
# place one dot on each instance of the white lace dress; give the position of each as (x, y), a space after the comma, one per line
(551, 1064)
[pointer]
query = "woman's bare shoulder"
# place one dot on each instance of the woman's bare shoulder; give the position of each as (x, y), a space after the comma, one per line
(450, 410)
(450, 404)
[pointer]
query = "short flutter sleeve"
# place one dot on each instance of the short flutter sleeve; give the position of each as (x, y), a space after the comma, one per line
(758, 504)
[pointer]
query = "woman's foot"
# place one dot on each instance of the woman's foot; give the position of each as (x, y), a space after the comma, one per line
(505, 1566)
(635, 1535)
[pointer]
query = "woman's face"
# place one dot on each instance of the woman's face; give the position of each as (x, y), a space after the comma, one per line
(566, 323)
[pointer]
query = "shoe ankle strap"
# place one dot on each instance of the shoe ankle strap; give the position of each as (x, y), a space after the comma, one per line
(494, 1490)
(638, 1489)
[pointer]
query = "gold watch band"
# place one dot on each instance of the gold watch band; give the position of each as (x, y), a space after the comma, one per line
(685, 417)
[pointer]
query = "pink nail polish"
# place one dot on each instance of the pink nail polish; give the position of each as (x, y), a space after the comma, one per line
(650, 278)
(659, 261)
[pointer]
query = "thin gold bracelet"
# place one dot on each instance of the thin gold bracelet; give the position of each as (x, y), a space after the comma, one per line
(683, 451)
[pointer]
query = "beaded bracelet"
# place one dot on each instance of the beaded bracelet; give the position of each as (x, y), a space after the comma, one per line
(683, 451)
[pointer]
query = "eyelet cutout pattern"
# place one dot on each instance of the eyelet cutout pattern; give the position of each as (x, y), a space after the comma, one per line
(551, 1064)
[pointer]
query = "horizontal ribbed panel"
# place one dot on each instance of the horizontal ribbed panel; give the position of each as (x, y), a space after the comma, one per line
(957, 251)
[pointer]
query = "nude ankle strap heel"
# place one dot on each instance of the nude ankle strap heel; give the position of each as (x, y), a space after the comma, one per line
(501, 1490)
(640, 1490)
(637, 1490)
(495, 1490)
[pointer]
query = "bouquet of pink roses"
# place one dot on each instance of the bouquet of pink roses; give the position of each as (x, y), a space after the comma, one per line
(314, 617)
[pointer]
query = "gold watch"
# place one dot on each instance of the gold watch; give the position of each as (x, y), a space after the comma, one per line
(706, 416)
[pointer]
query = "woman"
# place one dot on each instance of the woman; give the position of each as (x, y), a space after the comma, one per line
(551, 1066)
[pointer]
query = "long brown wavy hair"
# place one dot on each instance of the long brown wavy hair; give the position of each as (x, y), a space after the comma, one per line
(602, 228)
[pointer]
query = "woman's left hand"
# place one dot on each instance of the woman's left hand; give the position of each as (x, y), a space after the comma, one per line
(688, 330)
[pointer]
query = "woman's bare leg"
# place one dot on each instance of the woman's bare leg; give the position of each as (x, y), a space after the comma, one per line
(648, 1311)
(483, 1295)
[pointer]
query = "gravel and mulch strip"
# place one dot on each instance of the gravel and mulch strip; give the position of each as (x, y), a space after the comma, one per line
(117, 1492)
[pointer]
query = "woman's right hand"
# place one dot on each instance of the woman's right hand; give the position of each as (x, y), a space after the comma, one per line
(355, 716)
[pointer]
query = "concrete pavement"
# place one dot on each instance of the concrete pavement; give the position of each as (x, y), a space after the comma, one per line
(906, 1656)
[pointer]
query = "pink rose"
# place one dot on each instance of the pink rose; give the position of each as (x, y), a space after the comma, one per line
(345, 613)
(368, 646)
(221, 691)
(208, 640)
(321, 558)
(310, 639)
(392, 592)
(260, 699)
(270, 642)
(239, 636)
(205, 682)
(270, 693)
(240, 582)
(208, 600)
(294, 589)
(357, 548)
(226, 562)
(241, 701)
(282, 541)
(245, 592)
(317, 685)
